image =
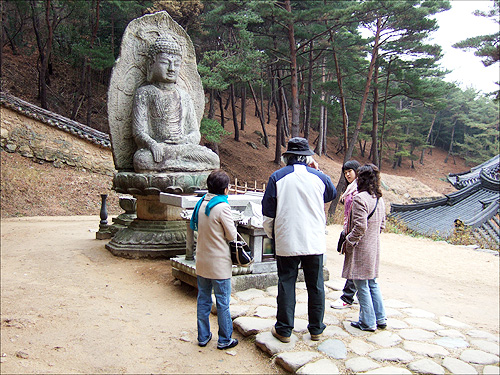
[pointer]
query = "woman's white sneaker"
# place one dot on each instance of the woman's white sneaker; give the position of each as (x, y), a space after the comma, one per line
(340, 304)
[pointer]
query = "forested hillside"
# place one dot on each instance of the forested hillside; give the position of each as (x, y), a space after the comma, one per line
(358, 75)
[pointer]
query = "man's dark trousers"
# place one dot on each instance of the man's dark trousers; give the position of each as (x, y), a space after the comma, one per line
(288, 268)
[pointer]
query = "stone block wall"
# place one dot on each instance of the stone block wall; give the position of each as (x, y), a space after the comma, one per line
(35, 139)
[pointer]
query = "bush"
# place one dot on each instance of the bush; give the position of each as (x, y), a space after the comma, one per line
(212, 130)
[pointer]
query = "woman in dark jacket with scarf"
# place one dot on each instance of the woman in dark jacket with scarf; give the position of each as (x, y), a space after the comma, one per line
(362, 248)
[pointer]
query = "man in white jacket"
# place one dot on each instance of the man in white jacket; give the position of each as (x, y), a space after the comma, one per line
(294, 215)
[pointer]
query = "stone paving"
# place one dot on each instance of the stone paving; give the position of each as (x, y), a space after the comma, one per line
(415, 341)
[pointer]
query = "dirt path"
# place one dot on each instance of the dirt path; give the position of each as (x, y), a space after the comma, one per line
(455, 281)
(69, 306)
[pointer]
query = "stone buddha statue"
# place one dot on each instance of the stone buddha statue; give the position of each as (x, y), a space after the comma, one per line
(164, 124)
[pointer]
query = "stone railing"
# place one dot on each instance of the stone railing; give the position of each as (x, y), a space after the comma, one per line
(53, 119)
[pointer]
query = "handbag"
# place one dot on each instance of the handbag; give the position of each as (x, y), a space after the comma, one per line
(341, 241)
(343, 235)
(241, 255)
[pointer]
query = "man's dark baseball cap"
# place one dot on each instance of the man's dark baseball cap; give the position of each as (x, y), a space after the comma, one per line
(298, 146)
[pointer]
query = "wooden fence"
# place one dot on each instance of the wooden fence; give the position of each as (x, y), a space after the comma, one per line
(245, 188)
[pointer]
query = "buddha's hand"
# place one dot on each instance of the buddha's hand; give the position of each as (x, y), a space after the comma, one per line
(157, 152)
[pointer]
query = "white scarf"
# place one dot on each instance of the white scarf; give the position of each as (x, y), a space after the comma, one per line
(352, 187)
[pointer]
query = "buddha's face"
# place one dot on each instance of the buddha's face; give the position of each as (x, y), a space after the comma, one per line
(165, 67)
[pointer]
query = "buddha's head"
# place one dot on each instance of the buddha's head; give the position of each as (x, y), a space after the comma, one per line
(165, 57)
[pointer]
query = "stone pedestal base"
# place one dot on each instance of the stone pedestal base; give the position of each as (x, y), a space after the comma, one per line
(158, 230)
(154, 184)
(149, 239)
(185, 271)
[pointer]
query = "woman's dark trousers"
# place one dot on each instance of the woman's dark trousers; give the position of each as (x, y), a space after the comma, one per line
(348, 292)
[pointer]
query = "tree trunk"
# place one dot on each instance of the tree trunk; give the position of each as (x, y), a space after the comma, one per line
(319, 146)
(374, 148)
(260, 115)
(325, 128)
(428, 137)
(286, 132)
(235, 117)
(95, 26)
(42, 83)
(384, 116)
(450, 150)
(293, 74)
(262, 99)
(352, 142)
(279, 130)
(362, 148)
(308, 105)
(345, 118)
(243, 106)
(211, 107)
(10, 40)
(221, 108)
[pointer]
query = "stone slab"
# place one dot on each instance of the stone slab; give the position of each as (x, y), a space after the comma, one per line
(423, 348)
(418, 313)
(385, 339)
(300, 325)
(265, 312)
(416, 334)
(491, 370)
(265, 301)
(333, 348)
(249, 294)
(447, 321)
(423, 323)
(361, 364)
(251, 326)
(392, 354)
(360, 347)
(426, 366)
(396, 324)
(487, 346)
(452, 342)
(389, 370)
(292, 361)
(238, 310)
(334, 331)
(271, 345)
(456, 366)
(479, 357)
(390, 312)
(396, 304)
(451, 333)
(478, 334)
(321, 367)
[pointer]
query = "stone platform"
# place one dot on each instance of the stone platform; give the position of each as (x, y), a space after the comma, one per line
(243, 278)
(415, 340)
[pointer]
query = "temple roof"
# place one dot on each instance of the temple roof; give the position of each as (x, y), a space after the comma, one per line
(477, 205)
(461, 180)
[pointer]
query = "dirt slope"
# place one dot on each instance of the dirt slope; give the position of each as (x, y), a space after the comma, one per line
(33, 189)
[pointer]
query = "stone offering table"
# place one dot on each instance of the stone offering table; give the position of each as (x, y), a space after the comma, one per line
(261, 274)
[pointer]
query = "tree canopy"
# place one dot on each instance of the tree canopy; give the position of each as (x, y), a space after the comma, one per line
(360, 72)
